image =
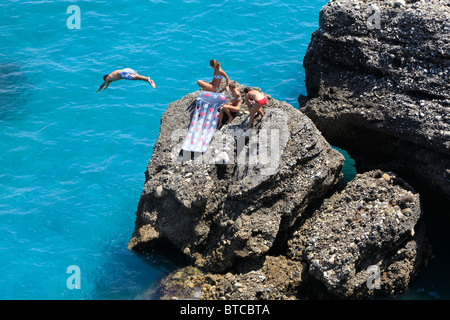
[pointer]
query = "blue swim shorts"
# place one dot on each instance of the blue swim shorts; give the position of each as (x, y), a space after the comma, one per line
(126, 73)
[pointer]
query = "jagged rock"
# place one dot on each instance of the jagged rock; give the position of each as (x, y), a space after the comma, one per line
(277, 279)
(377, 78)
(369, 228)
(218, 212)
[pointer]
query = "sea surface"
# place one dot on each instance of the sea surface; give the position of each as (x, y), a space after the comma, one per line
(73, 160)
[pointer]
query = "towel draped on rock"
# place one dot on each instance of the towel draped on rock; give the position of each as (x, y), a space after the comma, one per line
(204, 121)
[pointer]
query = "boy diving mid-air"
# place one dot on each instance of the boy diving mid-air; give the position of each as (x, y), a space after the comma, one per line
(127, 73)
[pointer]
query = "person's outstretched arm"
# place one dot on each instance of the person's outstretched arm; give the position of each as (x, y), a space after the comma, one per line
(228, 81)
(247, 102)
(101, 87)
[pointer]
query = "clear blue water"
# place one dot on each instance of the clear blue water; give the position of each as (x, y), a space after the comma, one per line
(73, 160)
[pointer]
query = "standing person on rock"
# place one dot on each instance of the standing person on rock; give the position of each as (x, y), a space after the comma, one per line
(255, 100)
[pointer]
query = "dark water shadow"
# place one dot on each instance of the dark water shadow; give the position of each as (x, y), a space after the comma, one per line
(14, 90)
(433, 280)
(168, 258)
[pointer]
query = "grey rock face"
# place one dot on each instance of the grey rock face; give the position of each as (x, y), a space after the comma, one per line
(377, 78)
(228, 208)
(234, 200)
(368, 232)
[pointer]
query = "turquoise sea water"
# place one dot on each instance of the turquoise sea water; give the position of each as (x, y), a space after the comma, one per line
(73, 160)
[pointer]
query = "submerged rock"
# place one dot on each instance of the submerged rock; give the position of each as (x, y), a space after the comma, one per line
(216, 212)
(377, 78)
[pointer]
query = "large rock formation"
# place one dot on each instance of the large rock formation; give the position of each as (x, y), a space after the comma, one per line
(261, 216)
(366, 239)
(266, 215)
(377, 78)
(240, 196)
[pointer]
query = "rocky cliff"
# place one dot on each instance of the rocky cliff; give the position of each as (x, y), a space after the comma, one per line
(367, 240)
(371, 228)
(377, 78)
(266, 214)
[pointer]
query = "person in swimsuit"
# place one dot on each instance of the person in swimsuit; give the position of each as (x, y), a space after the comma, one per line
(255, 100)
(127, 73)
(234, 106)
(218, 75)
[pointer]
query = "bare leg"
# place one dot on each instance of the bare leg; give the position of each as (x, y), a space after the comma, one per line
(260, 112)
(228, 109)
(206, 86)
(252, 117)
(255, 108)
(152, 83)
(142, 78)
(230, 117)
(220, 118)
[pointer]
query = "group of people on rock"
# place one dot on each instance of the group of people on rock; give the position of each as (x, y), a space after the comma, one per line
(254, 99)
